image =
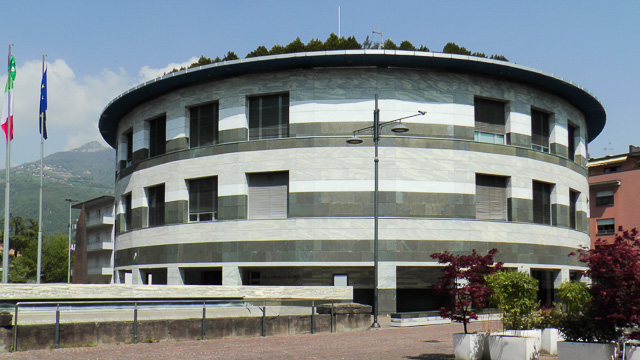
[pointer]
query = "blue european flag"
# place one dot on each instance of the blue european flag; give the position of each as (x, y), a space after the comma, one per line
(43, 105)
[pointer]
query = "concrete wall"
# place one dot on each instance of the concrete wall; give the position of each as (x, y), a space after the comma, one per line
(32, 337)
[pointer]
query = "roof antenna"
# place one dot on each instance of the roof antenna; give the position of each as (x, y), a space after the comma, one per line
(338, 22)
(373, 33)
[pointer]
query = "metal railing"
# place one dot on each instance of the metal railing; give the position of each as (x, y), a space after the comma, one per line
(135, 306)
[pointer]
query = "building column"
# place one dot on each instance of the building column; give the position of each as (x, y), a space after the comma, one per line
(136, 277)
(173, 275)
(524, 269)
(231, 275)
(387, 288)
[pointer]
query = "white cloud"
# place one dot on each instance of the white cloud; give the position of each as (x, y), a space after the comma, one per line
(74, 105)
(148, 73)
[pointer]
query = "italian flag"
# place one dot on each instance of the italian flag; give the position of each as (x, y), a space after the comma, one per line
(7, 109)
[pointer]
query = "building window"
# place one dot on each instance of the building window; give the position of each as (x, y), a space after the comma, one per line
(542, 202)
(268, 195)
(572, 133)
(155, 199)
(604, 198)
(606, 226)
(612, 169)
(129, 137)
(203, 199)
(489, 121)
(157, 136)
(539, 130)
(491, 197)
(203, 125)
(127, 211)
(269, 116)
(573, 209)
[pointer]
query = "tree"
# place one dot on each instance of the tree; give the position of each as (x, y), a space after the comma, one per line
(350, 43)
(295, 46)
(201, 61)
(259, 51)
(498, 57)
(23, 263)
(366, 44)
(55, 263)
(452, 48)
(276, 49)
(515, 294)
(315, 45)
(230, 56)
(390, 45)
(332, 42)
(406, 45)
(614, 269)
(463, 281)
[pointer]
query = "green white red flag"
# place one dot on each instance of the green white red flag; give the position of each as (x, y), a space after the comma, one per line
(7, 108)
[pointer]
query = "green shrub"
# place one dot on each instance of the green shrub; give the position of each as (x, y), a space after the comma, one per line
(515, 295)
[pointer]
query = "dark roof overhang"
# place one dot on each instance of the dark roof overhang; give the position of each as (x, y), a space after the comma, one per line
(593, 111)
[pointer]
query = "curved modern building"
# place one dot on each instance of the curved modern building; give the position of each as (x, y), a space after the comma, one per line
(239, 173)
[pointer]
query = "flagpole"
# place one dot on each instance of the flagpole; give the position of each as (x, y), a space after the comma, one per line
(41, 165)
(7, 191)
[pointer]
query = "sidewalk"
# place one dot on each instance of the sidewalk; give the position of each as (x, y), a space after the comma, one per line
(422, 343)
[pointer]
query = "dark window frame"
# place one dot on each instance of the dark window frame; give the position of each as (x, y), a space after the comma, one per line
(156, 205)
(540, 130)
(268, 116)
(200, 208)
(204, 125)
(612, 169)
(542, 202)
(605, 200)
(489, 119)
(606, 228)
(157, 136)
(572, 133)
(573, 208)
(489, 186)
(127, 212)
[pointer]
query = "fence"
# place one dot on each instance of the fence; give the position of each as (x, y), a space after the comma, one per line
(118, 311)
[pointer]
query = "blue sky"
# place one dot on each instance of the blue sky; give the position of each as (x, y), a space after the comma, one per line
(98, 49)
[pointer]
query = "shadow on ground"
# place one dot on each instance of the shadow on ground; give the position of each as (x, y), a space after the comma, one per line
(431, 357)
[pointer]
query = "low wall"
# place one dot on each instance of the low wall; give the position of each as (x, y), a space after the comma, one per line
(42, 336)
(68, 292)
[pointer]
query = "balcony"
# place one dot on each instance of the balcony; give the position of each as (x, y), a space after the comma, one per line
(94, 222)
(100, 270)
(98, 246)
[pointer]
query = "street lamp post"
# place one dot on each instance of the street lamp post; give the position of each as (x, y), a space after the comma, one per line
(376, 130)
(69, 248)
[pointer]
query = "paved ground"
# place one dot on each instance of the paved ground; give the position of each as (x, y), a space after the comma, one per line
(423, 342)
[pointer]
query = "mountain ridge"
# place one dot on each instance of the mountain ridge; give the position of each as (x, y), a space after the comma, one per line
(81, 174)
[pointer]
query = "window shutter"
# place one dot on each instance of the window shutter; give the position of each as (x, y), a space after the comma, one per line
(269, 117)
(573, 208)
(541, 203)
(491, 197)
(268, 195)
(539, 128)
(489, 116)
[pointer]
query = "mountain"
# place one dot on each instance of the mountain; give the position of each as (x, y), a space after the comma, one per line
(80, 174)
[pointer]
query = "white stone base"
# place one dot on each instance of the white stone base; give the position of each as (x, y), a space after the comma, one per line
(550, 338)
(568, 350)
(502, 347)
(469, 346)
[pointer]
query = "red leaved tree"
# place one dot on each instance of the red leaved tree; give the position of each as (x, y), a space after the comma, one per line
(614, 268)
(464, 282)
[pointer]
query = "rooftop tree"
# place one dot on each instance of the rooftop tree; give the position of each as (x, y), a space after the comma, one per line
(464, 282)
